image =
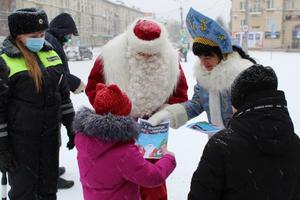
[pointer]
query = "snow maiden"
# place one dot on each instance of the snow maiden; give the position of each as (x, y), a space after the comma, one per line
(218, 64)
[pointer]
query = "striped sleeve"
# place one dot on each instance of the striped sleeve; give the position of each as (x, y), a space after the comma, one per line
(67, 108)
(3, 130)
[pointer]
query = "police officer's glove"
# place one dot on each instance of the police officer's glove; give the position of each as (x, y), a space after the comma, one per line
(80, 88)
(6, 161)
(71, 135)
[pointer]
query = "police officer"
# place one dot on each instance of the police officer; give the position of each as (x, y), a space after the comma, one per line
(32, 108)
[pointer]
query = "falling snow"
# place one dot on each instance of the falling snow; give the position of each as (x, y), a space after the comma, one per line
(187, 144)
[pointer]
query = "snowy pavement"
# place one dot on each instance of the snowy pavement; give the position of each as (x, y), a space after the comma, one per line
(187, 144)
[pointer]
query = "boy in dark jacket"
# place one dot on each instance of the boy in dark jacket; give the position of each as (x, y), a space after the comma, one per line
(258, 155)
(60, 31)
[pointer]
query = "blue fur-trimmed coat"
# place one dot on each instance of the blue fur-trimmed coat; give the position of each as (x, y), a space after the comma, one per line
(200, 103)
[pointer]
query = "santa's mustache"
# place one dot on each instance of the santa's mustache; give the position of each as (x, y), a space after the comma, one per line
(148, 59)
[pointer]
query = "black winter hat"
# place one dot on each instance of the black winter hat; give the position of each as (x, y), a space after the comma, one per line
(63, 24)
(254, 79)
(200, 49)
(27, 20)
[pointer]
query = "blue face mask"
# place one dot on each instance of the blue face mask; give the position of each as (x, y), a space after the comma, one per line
(35, 44)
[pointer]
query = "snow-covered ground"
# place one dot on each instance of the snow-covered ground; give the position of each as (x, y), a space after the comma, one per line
(185, 143)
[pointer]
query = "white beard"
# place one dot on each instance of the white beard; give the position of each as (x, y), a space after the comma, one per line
(148, 84)
(149, 88)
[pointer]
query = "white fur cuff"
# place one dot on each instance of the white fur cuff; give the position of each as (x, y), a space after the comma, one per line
(178, 113)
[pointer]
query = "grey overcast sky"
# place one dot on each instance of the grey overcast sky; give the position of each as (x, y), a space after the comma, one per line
(170, 8)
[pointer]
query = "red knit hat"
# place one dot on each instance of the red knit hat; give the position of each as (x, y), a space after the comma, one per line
(147, 30)
(110, 99)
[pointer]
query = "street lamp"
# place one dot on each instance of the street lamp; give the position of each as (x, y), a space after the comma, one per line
(246, 28)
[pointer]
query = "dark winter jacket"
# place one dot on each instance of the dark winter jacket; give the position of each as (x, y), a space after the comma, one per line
(256, 157)
(22, 109)
(110, 164)
(58, 28)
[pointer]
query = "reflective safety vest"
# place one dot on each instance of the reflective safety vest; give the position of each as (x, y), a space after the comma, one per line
(17, 64)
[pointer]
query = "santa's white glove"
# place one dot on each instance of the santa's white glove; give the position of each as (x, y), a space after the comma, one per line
(176, 113)
(159, 117)
(80, 88)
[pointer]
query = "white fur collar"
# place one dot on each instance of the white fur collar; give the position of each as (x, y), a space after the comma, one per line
(148, 90)
(222, 76)
(114, 61)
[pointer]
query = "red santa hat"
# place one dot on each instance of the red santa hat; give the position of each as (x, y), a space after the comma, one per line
(147, 36)
(110, 99)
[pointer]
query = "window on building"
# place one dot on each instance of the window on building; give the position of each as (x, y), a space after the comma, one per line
(257, 36)
(250, 36)
(290, 4)
(271, 25)
(270, 4)
(256, 6)
(242, 5)
(296, 37)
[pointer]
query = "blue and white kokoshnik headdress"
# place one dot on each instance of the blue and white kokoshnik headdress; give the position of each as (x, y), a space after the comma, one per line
(207, 31)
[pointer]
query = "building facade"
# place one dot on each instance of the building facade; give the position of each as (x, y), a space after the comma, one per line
(272, 24)
(97, 20)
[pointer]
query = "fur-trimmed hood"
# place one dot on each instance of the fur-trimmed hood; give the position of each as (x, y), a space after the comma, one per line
(95, 134)
(223, 75)
(109, 128)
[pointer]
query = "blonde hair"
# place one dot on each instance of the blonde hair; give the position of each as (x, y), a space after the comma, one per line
(31, 64)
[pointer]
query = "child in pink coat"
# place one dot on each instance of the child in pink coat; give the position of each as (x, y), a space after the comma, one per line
(110, 164)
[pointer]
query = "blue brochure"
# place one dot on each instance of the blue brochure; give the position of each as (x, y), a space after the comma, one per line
(204, 127)
(152, 139)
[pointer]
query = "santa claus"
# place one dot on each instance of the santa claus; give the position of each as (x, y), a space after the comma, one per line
(143, 63)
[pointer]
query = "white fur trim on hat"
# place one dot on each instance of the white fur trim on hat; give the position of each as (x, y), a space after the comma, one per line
(145, 46)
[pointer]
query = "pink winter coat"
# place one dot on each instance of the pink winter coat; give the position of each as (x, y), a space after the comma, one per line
(110, 165)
